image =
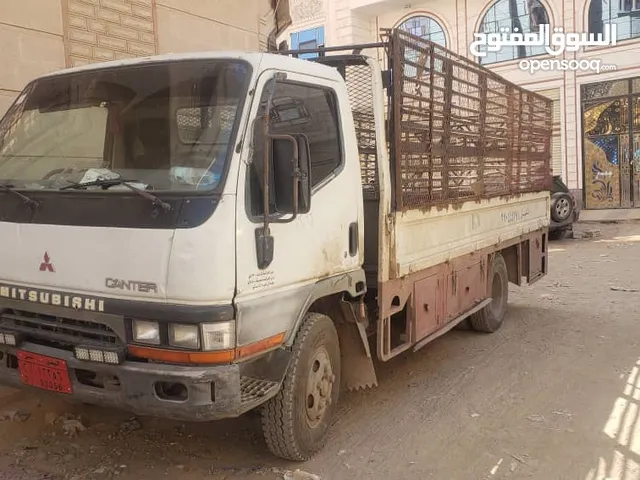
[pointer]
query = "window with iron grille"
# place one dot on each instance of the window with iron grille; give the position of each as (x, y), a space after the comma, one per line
(426, 28)
(518, 16)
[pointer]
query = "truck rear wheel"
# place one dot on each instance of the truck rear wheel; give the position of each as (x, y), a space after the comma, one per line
(490, 318)
(296, 420)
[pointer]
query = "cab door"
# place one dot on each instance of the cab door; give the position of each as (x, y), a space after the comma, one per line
(322, 242)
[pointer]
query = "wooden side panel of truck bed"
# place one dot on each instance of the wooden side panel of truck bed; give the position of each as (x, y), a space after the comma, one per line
(424, 238)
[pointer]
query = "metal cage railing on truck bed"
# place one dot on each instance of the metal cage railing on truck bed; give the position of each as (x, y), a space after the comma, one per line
(456, 130)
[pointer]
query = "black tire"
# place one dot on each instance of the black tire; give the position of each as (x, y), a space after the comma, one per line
(491, 317)
(290, 422)
(561, 207)
(558, 234)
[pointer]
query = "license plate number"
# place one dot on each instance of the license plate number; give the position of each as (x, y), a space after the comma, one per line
(44, 372)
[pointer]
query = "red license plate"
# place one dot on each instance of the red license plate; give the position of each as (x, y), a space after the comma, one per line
(43, 372)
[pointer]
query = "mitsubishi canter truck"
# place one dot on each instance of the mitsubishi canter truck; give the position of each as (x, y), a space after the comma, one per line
(195, 236)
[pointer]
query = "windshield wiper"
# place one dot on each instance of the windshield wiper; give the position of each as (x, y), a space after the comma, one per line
(25, 199)
(112, 182)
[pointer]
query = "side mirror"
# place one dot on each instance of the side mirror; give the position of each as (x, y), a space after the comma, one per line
(291, 164)
(287, 187)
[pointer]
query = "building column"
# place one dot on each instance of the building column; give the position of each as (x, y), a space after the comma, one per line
(573, 135)
(571, 121)
(465, 21)
(352, 27)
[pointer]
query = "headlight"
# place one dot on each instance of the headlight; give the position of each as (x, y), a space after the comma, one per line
(185, 336)
(218, 336)
(146, 332)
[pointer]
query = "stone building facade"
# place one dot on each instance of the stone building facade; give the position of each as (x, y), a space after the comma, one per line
(40, 36)
(597, 115)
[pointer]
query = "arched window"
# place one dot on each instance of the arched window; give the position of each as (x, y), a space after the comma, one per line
(624, 13)
(522, 16)
(425, 27)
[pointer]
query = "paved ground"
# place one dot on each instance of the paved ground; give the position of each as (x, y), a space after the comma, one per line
(553, 395)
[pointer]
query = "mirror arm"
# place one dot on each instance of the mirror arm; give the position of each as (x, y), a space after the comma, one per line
(264, 239)
(265, 174)
(265, 124)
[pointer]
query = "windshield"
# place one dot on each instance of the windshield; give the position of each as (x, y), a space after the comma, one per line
(166, 126)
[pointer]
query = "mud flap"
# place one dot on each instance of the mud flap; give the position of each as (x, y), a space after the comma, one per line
(357, 365)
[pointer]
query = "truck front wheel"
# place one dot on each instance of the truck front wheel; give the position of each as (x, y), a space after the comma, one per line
(296, 420)
(490, 318)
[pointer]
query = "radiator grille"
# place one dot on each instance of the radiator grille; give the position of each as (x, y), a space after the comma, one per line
(64, 331)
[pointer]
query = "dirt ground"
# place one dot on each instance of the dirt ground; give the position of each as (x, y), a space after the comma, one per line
(554, 394)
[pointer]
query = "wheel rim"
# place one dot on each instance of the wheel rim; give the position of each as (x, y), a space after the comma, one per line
(562, 208)
(319, 387)
(496, 296)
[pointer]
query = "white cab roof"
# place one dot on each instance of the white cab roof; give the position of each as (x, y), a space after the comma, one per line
(257, 60)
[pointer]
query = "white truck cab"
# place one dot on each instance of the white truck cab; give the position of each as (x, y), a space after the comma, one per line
(195, 236)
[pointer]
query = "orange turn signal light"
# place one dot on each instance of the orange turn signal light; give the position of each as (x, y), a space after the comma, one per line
(209, 358)
(177, 356)
(259, 346)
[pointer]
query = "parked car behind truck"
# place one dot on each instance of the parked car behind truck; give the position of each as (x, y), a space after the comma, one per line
(564, 210)
(196, 236)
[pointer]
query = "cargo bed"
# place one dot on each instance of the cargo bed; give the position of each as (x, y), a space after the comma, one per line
(455, 172)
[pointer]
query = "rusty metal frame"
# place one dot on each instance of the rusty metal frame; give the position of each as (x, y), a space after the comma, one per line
(462, 132)
(457, 131)
(399, 294)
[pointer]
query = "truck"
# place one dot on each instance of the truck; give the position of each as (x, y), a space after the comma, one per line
(197, 236)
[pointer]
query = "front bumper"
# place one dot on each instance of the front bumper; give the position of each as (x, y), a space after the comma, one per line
(213, 392)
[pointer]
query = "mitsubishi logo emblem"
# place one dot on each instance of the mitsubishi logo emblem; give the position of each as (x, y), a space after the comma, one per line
(46, 265)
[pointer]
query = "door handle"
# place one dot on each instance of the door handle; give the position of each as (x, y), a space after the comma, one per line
(353, 239)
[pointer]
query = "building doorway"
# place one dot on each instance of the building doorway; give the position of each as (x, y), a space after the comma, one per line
(611, 144)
